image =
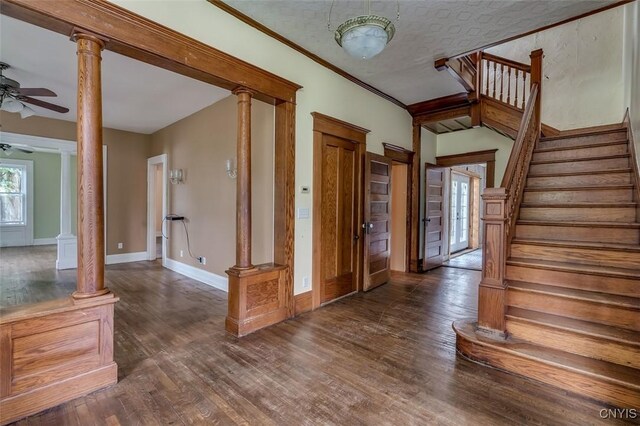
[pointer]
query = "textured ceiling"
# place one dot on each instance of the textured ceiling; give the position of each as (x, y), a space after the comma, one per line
(426, 30)
(136, 96)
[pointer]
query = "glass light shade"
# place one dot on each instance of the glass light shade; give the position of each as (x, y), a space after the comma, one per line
(27, 112)
(364, 37)
(11, 105)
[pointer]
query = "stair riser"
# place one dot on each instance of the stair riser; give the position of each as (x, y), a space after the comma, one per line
(580, 166)
(581, 256)
(580, 344)
(580, 180)
(581, 214)
(569, 154)
(573, 381)
(593, 195)
(612, 285)
(579, 233)
(584, 140)
(574, 308)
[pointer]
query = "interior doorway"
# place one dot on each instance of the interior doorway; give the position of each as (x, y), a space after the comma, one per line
(399, 176)
(156, 207)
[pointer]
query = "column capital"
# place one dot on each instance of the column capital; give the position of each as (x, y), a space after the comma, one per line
(79, 34)
(241, 89)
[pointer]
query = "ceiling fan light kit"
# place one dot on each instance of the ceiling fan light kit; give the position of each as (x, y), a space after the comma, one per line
(14, 98)
(365, 36)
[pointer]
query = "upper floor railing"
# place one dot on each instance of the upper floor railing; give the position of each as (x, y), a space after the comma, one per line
(504, 80)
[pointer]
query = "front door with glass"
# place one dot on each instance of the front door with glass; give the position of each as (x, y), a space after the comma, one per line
(459, 213)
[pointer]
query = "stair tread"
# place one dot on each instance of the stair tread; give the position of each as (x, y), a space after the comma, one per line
(570, 147)
(579, 188)
(578, 244)
(571, 293)
(579, 224)
(580, 204)
(579, 326)
(581, 173)
(587, 158)
(577, 134)
(625, 376)
(607, 271)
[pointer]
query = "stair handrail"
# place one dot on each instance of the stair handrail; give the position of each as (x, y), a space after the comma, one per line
(501, 210)
(515, 174)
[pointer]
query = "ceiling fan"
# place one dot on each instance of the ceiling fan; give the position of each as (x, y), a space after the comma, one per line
(8, 149)
(13, 97)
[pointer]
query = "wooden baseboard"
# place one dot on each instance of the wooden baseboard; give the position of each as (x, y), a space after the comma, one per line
(303, 302)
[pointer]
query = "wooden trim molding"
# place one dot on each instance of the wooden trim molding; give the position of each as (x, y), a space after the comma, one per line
(439, 104)
(488, 156)
(332, 126)
(398, 153)
(415, 264)
(139, 38)
(268, 31)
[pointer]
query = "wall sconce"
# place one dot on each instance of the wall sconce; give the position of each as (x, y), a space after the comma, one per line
(232, 171)
(175, 176)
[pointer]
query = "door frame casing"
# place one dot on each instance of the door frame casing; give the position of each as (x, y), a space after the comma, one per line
(469, 215)
(151, 202)
(326, 125)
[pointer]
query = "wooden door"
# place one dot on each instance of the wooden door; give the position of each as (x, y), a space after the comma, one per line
(377, 220)
(433, 217)
(339, 218)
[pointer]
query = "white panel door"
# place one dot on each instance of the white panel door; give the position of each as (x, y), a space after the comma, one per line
(459, 211)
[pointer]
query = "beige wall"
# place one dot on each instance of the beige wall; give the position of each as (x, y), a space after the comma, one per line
(582, 69)
(323, 91)
(127, 155)
(199, 145)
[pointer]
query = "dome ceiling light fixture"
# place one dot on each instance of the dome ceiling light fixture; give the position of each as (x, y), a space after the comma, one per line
(365, 36)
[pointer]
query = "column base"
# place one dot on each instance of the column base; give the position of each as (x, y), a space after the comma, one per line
(256, 298)
(79, 295)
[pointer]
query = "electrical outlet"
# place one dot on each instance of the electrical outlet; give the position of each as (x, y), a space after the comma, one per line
(202, 260)
(181, 253)
(306, 283)
(120, 246)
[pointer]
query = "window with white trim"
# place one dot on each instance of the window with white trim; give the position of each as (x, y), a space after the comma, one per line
(13, 194)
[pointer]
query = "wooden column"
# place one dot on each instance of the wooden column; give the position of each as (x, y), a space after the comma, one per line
(243, 186)
(414, 254)
(492, 293)
(91, 256)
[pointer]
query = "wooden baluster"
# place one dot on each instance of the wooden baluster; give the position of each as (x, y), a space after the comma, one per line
(515, 97)
(508, 85)
(485, 74)
(495, 66)
(502, 72)
(524, 89)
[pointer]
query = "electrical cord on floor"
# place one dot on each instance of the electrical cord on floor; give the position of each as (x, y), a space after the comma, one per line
(186, 232)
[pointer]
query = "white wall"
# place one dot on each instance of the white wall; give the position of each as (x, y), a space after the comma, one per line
(477, 139)
(323, 91)
(582, 68)
(631, 60)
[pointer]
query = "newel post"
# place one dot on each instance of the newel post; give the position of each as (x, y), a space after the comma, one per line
(91, 256)
(536, 78)
(492, 293)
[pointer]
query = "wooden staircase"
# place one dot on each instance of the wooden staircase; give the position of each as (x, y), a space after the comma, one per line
(559, 300)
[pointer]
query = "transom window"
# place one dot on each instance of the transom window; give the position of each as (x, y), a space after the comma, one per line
(13, 194)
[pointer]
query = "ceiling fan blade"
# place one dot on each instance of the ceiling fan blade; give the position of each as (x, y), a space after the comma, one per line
(35, 91)
(43, 104)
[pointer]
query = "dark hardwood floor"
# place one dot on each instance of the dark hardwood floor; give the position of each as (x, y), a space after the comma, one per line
(383, 357)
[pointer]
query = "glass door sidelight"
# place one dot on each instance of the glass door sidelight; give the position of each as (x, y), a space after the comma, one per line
(459, 213)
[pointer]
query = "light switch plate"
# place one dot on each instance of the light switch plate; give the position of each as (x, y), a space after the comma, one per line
(304, 190)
